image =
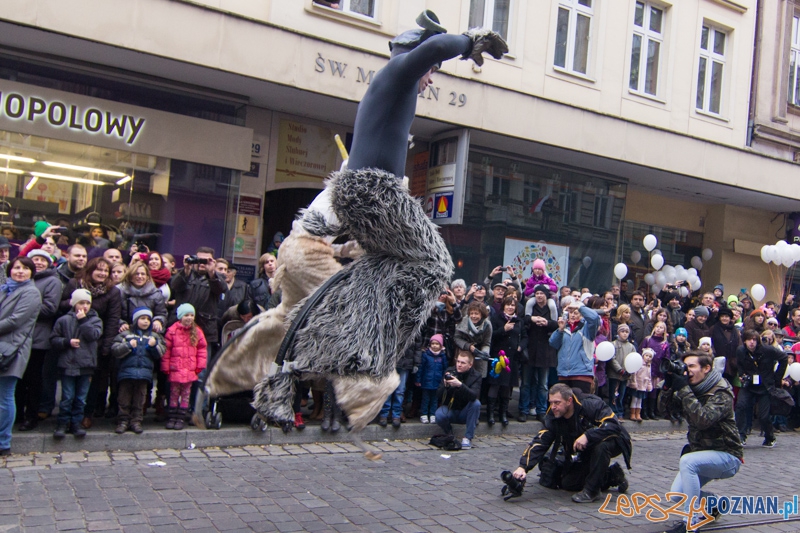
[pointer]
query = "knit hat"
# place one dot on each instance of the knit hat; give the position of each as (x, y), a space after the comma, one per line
(732, 299)
(719, 286)
(772, 320)
(649, 350)
(538, 263)
(681, 331)
(40, 228)
(725, 311)
(544, 288)
(184, 309)
(701, 311)
(40, 253)
(625, 327)
(80, 295)
(141, 311)
(438, 338)
(705, 340)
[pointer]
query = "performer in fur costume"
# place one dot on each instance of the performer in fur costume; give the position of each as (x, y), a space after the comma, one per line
(353, 329)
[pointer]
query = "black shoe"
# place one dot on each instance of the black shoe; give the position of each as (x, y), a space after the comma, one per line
(396, 423)
(60, 431)
(78, 432)
(383, 421)
(585, 497)
(769, 442)
(522, 417)
(540, 417)
(5, 451)
(28, 425)
(784, 428)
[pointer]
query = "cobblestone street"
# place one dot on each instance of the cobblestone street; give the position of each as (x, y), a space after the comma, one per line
(332, 487)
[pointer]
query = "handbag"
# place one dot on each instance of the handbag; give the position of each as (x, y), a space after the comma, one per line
(6, 360)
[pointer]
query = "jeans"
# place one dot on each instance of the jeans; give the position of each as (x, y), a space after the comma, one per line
(698, 468)
(428, 407)
(617, 402)
(8, 409)
(468, 415)
(74, 390)
(394, 403)
(744, 405)
(533, 390)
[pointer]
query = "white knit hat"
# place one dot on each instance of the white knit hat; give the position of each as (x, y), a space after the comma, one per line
(80, 295)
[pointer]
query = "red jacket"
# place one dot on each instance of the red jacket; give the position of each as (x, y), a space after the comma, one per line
(182, 361)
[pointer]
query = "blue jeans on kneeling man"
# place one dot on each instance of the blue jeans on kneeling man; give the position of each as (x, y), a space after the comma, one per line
(445, 417)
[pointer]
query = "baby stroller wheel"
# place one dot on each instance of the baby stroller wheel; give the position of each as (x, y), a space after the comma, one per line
(217, 420)
(257, 423)
(209, 420)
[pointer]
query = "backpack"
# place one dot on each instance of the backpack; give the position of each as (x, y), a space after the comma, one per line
(445, 442)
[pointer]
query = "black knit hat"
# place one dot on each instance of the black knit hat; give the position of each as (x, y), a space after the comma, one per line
(542, 288)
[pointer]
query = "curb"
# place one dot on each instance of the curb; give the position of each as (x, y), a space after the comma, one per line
(104, 439)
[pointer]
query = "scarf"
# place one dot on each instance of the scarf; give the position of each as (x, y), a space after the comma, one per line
(711, 379)
(11, 285)
(509, 317)
(160, 276)
(95, 290)
(473, 329)
(574, 326)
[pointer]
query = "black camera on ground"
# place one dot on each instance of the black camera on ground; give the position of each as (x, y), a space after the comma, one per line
(194, 260)
(672, 367)
(513, 486)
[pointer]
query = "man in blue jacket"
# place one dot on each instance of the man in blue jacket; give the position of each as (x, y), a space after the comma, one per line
(574, 340)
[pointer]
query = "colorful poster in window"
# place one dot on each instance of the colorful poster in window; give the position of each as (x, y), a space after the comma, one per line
(54, 191)
(521, 255)
(306, 153)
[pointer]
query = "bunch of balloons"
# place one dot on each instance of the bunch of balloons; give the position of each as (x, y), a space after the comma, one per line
(499, 364)
(781, 253)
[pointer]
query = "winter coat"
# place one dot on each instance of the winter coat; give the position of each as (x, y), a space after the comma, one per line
(762, 363)
(443, 323)
(139, 362)
(18, 312)
(261, 291)
(204, 293)
(236, 294)
(540, 353)
(696, 332)
(146, 296)
(661, 347)
(642, 380)
(82, 360)
(637, 324)
(182, 361)
(108, 307)
(725, 342)
(431, 369)
(482, 339)
(615, 367)
(49, 285)
(411, 355)
(513, 343)
(544, 279)
(457, 398)
(576, 350)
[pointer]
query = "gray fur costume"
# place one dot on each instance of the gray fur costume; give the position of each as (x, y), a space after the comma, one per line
(394, 285)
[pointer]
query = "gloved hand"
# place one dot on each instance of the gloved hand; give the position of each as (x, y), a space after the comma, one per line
(485, 40)
(679, 381)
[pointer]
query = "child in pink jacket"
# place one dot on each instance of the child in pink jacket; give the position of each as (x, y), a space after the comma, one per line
(539, 277)
(184, 359)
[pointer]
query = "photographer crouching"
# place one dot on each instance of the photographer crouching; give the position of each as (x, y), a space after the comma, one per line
(714, 450)
(590, 434)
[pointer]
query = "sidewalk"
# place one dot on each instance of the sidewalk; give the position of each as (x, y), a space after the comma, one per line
(101, 436)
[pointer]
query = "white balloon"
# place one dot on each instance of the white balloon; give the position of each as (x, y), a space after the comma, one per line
(796, 250)
(794, 371)
(649, 279)
(657, 251)
(672, 277)
(636, 256)
(620, 270)
(656, 289)
(604, 351)
(788, 259)
(758, 292)
(661, 279)
(657, 261)
(707, 254)
(649, 242)
(693, 280)
(668, 270)
(696, 285)
(697, 263)
(633, 362)
(692, 272)
(775, 254)
(765, 256)
(684, 291)
(587, 261)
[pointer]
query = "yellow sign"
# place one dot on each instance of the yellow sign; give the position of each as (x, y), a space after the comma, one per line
(306, 153)
(247, 225)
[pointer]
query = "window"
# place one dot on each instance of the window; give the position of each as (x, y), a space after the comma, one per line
(492, 14)
(365, 8)
(648, 27)
(573, 30)
(710, 70)
(794, 64)
(569, 202)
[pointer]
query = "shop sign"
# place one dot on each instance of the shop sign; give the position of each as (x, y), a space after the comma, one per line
(306, 153)
(443, 205)
(246, 273)
(419, 175)
(249, 205)
(442, 177)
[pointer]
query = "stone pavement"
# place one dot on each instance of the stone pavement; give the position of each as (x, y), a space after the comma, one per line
(332, 487)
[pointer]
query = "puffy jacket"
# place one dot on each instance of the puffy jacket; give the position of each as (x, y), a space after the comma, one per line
(659, 345)
(18, 312)
(182, 361)
(49, 285)
(139, 362)
(146, 296)
(82, 360)
(575, 350)
(544, 279)
(108, 307)
(431, 369)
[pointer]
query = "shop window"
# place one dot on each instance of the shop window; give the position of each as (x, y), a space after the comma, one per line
(573, 34)
(364, 8)
(794, 64)
(492, 14)
(648, 39)
(711, 70)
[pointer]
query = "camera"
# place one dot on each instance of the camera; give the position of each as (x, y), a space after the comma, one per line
(194, 260)
(672, 367)
(448, 376)
(513, 486)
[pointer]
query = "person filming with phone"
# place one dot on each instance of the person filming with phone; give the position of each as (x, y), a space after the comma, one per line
(459, 392)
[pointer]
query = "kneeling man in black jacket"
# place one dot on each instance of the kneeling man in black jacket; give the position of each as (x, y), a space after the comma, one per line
(459, 393)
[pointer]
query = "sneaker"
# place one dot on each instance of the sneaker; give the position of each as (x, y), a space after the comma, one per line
(396, 423)
(60, 431)
(466, 444)
(122, 427)
(137, 428)
(585, 496)
(743, 438)
(433, 419)
(78, 432)
(532, 412)
(383, 421)
(769, 442)
(298, 421)
(424, 419)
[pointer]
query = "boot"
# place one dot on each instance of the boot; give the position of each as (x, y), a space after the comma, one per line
(319, 405)
(327, 412)
(643, 415)
(171, 414)
(162, 412)
(504, 411)
(638, 414)
(651, 408)
(60, 431)
(490, 411)
(337, 414)
(180, 419)
(122, 427)
(298, 421)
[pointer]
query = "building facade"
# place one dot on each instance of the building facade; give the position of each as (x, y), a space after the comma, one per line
(608, 120)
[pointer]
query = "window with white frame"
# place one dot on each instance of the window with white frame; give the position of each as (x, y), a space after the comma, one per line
(573, 32)
(711, 70)
(794, 64)
(364, 8)
(648, 38)
(492, 14)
